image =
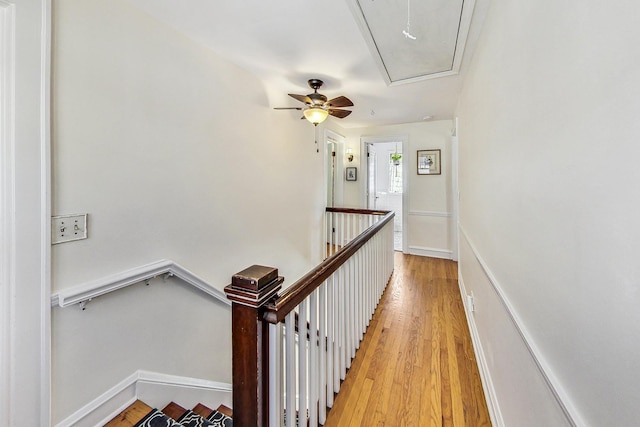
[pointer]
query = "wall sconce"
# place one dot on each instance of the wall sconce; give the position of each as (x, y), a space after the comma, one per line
(350, 154)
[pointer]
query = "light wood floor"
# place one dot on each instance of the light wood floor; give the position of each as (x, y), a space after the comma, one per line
(416, 365)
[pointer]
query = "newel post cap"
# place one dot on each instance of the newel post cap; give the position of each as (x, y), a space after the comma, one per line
(254, 286)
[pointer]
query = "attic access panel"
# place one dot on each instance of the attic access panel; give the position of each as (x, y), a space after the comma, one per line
(440, 28)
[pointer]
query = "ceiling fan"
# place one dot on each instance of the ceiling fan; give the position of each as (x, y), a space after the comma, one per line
(317, 108)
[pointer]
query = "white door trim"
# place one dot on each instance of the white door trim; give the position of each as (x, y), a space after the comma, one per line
(455, 238)
(25, 206)
(45, 213)
(7, 201)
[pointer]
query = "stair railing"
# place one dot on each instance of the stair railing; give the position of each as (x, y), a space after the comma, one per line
(292, 350)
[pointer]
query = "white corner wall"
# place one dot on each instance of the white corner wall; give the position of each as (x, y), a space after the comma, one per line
(548, 142)
(430, 203)
(175, 154)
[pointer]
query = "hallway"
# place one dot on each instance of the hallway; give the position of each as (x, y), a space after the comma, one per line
(416, 365)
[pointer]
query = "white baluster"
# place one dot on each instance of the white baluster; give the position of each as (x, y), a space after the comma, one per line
(357, 286)
(342, 322)
(372, 290)
(303, 369)
(330, 216)
(276, 374)
(353, 311)
(363, 295)
(366, 266)
(314, 348)
(290, 364)
(340, 233)
(348, 315)
(332, 350)
(322, 373)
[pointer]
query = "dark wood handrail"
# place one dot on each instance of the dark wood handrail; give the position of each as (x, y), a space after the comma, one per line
(277, 309)
(358, 211)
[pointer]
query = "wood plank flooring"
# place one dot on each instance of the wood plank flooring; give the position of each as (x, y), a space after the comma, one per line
(416, 365)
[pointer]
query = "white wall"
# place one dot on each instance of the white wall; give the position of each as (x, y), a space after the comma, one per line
(548, 136)
(175, 154)
(430, 203)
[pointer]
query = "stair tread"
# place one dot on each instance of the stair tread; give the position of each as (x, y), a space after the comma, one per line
(191, 419)
(157, 419)
(131, 415)
(174, 411)
(202, 410)
(205, 412)
(225, 410)
(220, 419)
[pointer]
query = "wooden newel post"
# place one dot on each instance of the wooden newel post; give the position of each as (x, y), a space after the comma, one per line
(249, 291)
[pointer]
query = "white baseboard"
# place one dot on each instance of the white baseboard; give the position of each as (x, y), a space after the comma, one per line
(153, 388)
(430, 252)
(485, 375)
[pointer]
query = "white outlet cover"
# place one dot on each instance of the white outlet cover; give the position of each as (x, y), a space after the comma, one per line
(67, 228)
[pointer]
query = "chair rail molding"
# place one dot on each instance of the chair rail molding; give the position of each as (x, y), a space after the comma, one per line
(431, 213)
(86, 291)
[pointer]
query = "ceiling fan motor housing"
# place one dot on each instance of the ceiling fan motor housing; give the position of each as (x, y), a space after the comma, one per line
(315, 84)
(317, 99)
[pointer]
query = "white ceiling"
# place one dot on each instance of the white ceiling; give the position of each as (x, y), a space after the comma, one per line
(287, 42)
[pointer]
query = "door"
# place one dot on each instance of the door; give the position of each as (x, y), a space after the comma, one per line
(371, 177)
(385, 189)
(334, 144)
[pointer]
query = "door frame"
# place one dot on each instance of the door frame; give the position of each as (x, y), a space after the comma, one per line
(364, 166)
(331, 137)
(25, 208)
(455, 220)
(7, 203)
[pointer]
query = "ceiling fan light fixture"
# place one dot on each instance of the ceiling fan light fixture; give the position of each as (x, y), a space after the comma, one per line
(316, 115)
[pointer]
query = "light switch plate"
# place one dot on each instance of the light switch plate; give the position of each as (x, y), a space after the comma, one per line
(67, 228)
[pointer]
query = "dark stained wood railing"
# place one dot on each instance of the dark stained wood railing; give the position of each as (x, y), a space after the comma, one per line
(256, 305)
(277, 309)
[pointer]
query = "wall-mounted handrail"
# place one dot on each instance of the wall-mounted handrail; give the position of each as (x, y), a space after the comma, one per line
(95, 288)
(277, 309)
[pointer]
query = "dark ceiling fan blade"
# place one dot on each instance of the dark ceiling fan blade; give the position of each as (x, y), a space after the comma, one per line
(341, 101)
(301, 98)
(341, 114)
(287, 108)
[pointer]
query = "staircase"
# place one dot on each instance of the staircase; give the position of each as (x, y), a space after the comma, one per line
(139, 414)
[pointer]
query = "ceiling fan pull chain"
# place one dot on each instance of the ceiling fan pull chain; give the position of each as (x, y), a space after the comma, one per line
(407, 32)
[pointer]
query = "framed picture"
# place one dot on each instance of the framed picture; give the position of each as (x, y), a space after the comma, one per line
(429, 162)
(351, 174)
